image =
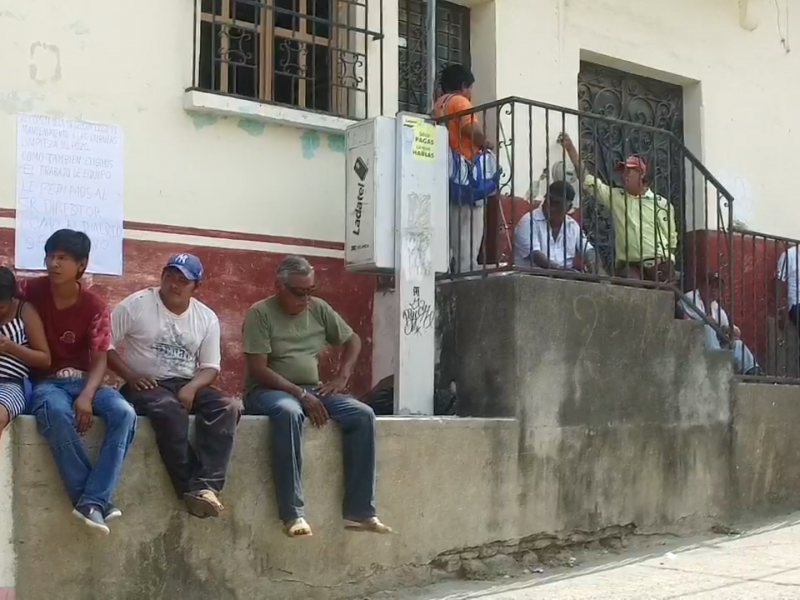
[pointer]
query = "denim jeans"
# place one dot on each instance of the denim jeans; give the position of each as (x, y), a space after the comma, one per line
(357, 422)
(204, 466)
(743, 359)
(52, 406)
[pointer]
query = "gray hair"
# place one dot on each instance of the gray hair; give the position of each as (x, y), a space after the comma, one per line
(293, 265)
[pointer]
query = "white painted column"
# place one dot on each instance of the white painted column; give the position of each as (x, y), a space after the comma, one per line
(421, 193)
(8, 556)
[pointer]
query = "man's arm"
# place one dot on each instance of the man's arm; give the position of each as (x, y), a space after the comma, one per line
(259, 370)
(210, 361)
(468, 125)
(673, 229)
(540, 260)
(539, 257)
(352, 348)
(587, 252)
(37, 353)
(591, 183)
(339, 333)
(121, 324)
(99, 341)
(522, 238)
(94, 379)
(473, 130)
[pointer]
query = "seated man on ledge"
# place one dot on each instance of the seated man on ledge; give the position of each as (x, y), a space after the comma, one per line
(645, 228)
(282, 337)
(709, 290)
(549, 238)
(70, 393)
(172, 358)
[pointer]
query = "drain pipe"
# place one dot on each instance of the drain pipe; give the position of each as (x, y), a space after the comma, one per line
(430, 22)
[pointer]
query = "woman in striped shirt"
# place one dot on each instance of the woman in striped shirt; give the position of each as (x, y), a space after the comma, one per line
(23, 346)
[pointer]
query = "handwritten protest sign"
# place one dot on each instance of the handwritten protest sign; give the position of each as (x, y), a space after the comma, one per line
(69, 175)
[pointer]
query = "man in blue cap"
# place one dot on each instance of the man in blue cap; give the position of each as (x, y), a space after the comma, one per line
(172, 357)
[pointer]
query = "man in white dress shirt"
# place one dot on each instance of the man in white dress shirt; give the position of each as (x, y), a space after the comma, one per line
(549, 238)
(788, 267)
(743, 359)
(171, 359)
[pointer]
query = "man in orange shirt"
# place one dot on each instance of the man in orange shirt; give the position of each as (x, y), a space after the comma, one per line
(466, 137)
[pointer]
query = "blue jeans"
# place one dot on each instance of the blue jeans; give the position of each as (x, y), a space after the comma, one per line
(55, 419)
(357, 422)
(743, 359)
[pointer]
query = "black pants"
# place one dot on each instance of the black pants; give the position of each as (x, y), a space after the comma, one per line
(204, 466)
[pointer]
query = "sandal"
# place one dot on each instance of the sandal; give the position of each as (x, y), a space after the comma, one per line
(371, 525)
(296, 528)
(203, 504)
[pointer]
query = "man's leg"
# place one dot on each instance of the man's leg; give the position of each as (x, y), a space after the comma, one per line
(216, 419)
(712, 339)
(466, 234)
(170, 422)
(357, 422)
(286, 417)
(120, 420)
(743, 359)
(475, 238)
(55, 420)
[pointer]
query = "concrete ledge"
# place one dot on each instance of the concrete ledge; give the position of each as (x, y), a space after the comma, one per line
(766, 445)
(229, 106)
(443, 483)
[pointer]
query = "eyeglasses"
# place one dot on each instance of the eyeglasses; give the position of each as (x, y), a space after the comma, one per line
(300, 292)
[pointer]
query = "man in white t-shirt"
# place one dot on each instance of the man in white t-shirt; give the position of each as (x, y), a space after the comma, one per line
(172, 357)
(549, 238)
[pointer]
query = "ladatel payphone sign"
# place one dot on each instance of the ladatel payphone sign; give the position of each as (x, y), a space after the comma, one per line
(360, 189)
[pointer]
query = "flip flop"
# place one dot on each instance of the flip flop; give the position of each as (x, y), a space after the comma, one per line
(203, 504)
(297, 528)
(371, 525)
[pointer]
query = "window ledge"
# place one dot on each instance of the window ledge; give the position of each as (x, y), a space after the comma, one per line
(218, 104)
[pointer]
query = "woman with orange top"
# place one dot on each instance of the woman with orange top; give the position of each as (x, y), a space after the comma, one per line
(467, 138)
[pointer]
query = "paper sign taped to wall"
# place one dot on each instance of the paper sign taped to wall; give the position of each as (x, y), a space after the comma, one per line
(69, 176)
(424, 139)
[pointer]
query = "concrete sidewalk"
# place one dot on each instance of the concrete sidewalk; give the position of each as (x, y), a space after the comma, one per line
(760, 563)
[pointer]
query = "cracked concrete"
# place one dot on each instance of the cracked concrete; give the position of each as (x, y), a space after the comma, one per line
(759, 562)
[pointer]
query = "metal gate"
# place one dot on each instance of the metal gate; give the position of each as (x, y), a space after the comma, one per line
(452, 36)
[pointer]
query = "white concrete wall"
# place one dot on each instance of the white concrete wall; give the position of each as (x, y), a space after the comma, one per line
(747, 115)
(100, 61)
(7, 549)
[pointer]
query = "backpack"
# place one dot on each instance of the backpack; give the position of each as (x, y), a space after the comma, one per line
(471, 181)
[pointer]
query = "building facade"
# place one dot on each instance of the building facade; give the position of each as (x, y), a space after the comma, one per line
(234, 114)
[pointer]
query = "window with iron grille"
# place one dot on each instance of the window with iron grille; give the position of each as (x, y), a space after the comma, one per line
(452, 46)
(309, 54)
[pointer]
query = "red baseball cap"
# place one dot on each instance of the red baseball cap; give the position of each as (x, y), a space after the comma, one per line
(634, 161)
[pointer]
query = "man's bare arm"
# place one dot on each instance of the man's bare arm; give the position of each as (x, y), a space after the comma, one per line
(258, 369)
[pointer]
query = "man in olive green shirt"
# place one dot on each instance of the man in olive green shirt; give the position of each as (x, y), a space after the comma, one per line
(282, 338)
(645, 229)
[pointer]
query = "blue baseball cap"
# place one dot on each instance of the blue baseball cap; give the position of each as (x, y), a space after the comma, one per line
(188, 264)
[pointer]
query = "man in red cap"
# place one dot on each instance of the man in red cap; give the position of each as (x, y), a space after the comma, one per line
(645, 230)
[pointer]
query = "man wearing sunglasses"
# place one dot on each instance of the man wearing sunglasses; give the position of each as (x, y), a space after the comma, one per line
(282, 338)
